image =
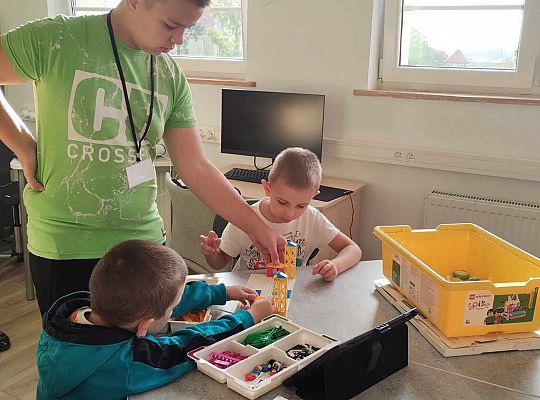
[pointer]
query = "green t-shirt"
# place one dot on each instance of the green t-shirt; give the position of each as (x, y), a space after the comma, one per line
(84, 137)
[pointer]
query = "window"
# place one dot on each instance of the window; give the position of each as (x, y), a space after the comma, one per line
(465, 43)
(89, 7)
(215, 46)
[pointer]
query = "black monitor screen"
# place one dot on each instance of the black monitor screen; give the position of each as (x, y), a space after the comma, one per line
(256, 123)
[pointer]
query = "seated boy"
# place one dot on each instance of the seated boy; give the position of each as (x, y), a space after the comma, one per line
(292, 183)
(99, 345)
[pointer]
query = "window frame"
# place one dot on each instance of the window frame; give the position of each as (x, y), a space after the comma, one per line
(392, 75)
(206, 67)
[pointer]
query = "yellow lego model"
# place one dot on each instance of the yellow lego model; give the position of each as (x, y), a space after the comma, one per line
(291, 252)
(289, 264)
(280, 293)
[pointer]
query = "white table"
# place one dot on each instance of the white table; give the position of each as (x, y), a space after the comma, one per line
(349, 306)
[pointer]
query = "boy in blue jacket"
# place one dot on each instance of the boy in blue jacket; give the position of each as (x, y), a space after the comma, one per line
(100, 344)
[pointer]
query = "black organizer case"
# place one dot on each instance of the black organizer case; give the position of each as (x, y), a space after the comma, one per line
(354, 366)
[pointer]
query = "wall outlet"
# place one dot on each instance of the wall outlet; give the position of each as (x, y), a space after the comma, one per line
(209, 135)
(398, 155)
(27, 115)
(409, 156)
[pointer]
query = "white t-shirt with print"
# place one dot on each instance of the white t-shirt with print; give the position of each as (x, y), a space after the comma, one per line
(312, 230)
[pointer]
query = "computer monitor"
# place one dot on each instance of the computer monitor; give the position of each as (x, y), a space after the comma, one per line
(261, 124)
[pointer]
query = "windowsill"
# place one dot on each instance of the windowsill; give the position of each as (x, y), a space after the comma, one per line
(221, 82)
(472, 98)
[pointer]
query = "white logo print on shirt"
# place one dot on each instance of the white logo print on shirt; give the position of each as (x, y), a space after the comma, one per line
(107, 122)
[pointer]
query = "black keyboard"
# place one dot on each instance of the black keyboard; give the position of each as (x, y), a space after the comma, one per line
(247, 175)
(327, 193)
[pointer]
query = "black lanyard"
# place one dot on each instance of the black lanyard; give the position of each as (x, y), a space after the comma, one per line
(138, 144)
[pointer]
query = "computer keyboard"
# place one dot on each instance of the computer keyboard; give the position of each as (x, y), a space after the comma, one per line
(327, 193)
(247, 175)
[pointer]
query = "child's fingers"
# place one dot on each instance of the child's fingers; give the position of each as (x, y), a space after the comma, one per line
(211, 243)
(250, 291)
(251, 298)
(207, 249)
(205, 239)
(319, 267)
(212, 237)
(325, 269)
(330, 274)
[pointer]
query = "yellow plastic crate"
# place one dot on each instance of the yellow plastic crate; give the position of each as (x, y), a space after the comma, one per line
(421, 263)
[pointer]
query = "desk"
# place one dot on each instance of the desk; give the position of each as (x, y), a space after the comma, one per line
(349, 306)
(17, 174)
(340, 211)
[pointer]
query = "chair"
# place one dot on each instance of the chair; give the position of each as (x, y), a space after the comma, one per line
(220, 223)
(190, 218)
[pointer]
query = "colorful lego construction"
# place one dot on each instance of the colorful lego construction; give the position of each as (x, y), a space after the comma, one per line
(289, 262)
(280, 293)
(265, 286)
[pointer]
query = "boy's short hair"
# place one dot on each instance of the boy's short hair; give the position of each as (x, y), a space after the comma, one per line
(136, 279)
(298, 167)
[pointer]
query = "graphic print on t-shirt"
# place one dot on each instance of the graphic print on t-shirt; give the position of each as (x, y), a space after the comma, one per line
(98, 118)
(255, 260)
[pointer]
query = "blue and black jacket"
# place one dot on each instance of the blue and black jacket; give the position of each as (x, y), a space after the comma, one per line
(77, 361)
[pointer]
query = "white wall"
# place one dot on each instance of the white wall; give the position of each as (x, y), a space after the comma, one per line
(12, 14)
(323, 47)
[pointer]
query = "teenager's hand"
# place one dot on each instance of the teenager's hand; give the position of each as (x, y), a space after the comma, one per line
(327, 269)
(262, 308)
(210, 243)
(242, 293)
(270, 244)
(28, 159)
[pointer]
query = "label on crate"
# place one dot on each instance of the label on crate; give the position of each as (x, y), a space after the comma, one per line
(477, 306)
(423, 292)
(484, 308)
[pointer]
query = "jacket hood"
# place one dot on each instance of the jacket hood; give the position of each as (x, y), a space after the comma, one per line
(70, 353)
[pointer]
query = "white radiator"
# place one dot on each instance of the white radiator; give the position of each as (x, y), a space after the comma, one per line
(515, 222)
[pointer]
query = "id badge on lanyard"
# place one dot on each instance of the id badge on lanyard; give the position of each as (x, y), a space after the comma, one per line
(141, 171)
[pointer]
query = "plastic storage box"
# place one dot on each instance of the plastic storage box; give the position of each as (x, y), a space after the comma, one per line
(501, 295)
(234, 374)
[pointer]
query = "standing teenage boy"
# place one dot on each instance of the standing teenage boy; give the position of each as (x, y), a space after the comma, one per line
(106, 92)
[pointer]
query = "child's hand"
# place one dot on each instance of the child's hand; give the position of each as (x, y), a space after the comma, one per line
(210, 243)
(327, 269)
(262, 308)
(242, 293)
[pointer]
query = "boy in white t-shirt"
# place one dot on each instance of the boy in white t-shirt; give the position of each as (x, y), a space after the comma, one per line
(292, 183)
